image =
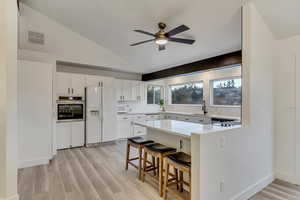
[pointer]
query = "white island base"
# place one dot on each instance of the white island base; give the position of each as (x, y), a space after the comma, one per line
(185, 137)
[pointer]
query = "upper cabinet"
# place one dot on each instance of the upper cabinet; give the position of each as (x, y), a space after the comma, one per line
(63, 84)
(68, 84)
(78, 84)
(123, 90)
(127, 90)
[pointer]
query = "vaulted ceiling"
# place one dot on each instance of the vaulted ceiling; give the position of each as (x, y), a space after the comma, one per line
(215, 25)
(282, 16)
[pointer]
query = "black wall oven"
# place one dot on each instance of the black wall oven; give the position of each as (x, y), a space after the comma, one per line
(70, 110)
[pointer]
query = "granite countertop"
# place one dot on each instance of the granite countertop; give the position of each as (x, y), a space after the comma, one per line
(181, 128)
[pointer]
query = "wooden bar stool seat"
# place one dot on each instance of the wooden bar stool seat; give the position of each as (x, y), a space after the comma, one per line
(159, 152)
(138, 143)
(181, 162)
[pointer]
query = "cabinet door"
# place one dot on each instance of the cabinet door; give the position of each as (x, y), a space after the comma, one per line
(93, 80)
(124, 129)
(109, 110)
(77, 137)
(127, 90)
(63, 84)
(78, 85)
(135, 88)
(63, 135)
(119, 89)
(142, 91)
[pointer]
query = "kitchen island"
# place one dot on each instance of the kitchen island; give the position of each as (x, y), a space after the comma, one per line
(187, 137)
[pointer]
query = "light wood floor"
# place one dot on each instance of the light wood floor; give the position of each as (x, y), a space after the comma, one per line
(98, 174)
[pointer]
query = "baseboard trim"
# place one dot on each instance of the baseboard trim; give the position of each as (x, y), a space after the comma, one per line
(14, 197)
(32, 163)
(255, 188)
(286, 177)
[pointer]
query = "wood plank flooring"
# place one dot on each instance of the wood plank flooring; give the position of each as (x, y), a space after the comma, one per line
(98, 174)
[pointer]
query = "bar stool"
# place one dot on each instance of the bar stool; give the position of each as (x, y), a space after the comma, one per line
(182, 163)
(159, 152)
(138, 143)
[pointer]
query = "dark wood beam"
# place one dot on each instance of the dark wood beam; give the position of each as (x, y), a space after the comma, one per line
(233, 58)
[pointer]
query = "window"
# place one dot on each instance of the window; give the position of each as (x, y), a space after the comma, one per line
(187, 93)
(227, 92)
(154, 94)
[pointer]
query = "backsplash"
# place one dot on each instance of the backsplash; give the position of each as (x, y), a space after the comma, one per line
(137, 107)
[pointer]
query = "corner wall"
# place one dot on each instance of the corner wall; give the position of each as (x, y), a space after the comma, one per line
(236, 164)
(8, 100)
(287, 111)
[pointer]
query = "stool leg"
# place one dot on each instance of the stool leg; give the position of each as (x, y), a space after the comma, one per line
(181, 181)
(161, 171)
(127, 155)
(176, 177)
(190, 182)
(165, 191)
(140, 162)
(153, 163)
(157, 163)
(144, 165)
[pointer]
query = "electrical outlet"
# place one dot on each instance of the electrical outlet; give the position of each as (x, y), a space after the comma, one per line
(222, 142)
(222, 185)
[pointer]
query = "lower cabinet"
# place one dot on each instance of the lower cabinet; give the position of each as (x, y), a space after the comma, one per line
(70, 134)
(124, 128)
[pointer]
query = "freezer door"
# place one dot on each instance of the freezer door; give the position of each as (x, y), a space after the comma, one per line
(93, 115)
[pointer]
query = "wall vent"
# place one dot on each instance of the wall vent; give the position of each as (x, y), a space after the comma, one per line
(36, 37)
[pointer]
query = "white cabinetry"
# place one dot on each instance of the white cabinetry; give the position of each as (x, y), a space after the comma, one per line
(78, 85)
(70, 84)
(124, 90)
(130, 90)
(70, 134)
(63, 84)
(124, 128)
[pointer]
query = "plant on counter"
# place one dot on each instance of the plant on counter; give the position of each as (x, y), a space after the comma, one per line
(162, 103)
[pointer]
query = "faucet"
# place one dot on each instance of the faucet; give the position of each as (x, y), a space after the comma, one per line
(204, 107)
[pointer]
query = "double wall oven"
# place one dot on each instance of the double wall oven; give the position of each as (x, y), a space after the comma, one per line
(70, 109)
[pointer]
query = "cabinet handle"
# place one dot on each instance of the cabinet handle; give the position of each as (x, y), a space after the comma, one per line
(68, 90)
(120, 97)
(72, 90)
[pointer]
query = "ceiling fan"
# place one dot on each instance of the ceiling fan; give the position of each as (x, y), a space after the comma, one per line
(161, 38)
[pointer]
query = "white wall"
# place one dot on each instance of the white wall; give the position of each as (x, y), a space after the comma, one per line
(206, 77)
(245, 163)
(64, 44)
(8, 100)
(287, 110)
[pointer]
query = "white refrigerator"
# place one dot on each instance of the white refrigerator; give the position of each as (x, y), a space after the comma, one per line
(94, 115)
(101, 112)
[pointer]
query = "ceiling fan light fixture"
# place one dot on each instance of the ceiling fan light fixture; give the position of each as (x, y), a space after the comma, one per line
(161, 41)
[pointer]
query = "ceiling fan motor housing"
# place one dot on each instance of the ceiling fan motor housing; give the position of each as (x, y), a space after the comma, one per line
(162, 25)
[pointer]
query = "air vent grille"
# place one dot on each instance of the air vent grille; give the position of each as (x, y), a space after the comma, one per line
(36, 37)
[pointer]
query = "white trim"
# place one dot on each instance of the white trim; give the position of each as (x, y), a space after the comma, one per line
(14, 197)
(169, 98)
(211, 97)
(286, 177)
(255, 188)
(31, 163)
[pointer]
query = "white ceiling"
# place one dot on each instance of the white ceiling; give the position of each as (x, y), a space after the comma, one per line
(283, 16)
(215, 24)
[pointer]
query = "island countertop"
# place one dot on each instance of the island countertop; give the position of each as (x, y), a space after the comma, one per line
(181, 128)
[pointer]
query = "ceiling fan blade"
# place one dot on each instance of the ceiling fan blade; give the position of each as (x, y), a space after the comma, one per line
(138, 43)
(161, 47)
(180, 40)
(177, 30)
(145, 32)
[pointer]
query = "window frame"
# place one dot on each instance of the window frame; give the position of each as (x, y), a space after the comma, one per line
(183, 83)
(211, 93)
(161, 95)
